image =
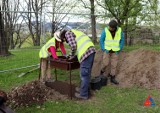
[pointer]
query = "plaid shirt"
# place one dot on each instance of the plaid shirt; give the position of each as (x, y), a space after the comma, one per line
(70, 37)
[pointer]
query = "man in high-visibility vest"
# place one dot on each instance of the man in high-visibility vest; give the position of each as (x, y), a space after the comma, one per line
(54, 47)
(82, 46)
(111, 42)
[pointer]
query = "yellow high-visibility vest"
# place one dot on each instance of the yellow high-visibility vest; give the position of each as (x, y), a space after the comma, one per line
(44, 53)
(83, 43)
(112, 43)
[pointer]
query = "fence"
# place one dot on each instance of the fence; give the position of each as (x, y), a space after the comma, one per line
(81, 22)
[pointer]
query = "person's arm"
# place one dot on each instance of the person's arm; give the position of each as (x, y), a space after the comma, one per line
(62, 48)
(102, 39)
(53, 51)
(70, 37)
(122, 41)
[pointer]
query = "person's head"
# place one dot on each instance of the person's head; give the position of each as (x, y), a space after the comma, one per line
(60, 35)
(112, 25)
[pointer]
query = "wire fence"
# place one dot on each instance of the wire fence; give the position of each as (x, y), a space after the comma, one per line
(23, 42)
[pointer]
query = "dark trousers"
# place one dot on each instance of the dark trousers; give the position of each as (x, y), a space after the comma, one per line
(85, 74)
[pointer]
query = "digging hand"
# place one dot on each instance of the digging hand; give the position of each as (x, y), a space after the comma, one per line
(72, 58)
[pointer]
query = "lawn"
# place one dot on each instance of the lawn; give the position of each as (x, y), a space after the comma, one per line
(110, 99)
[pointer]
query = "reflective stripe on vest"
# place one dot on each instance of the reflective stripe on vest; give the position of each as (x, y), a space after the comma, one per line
(44, 53)
(110, 43)
(83, 43)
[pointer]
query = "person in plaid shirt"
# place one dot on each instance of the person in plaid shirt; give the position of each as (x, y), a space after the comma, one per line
(82, 46)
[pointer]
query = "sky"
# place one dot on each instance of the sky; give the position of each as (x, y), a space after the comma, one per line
(72, 18)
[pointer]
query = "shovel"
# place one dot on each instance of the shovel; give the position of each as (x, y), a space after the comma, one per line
(22, 74)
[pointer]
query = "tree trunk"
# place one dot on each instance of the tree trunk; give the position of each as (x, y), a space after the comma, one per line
(12, 45)
(3, 42)
(38, 26)
(130, 41)
(53, 19)
(53, 28)
(93, 22)
(38, 31)
(126, 32)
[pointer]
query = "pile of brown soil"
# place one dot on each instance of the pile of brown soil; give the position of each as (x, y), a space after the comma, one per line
(32, 92)
(97, 63)
(62, 87)
(137, 68)
(141, 68)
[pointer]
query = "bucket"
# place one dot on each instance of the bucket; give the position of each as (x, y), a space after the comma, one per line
(103, 80)
(95, 83)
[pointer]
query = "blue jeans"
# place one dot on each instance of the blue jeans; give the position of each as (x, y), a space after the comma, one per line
(85, 74)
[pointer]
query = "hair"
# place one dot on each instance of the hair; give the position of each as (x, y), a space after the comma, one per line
(113, 24)
(62, 34)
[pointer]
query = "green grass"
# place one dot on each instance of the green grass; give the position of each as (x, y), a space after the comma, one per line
(109, 99)
(149, 47)
(18, 59)
(133, 47)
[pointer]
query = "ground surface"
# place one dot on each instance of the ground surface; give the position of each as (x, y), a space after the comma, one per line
(32, 92)
(137, 68)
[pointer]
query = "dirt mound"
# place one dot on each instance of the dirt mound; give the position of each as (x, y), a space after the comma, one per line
(32, 92)
(139, 67)
(62, 87)
(97, 63)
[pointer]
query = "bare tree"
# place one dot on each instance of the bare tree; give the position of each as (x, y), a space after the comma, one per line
(60, 9)
(3, 40)
(20, 35)
(93, 18)
(34, 8)
(11, 18)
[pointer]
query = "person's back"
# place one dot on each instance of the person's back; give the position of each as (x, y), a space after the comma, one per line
(54, 47)
(81, 46)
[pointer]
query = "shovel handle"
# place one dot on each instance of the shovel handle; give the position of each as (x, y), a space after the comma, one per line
(40, 70)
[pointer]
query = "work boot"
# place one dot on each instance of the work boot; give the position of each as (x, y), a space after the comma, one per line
(77, 95)
(113, 80)
(77, 89)
(101, 73)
